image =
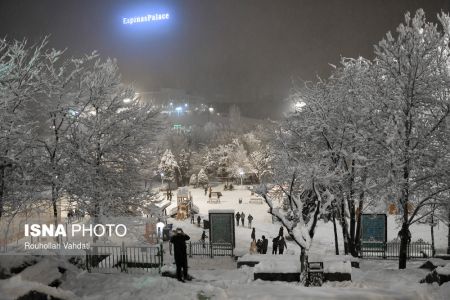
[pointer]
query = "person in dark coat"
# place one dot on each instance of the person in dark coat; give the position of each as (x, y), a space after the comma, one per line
(259, 246)
(179, 246)
(253, 234)
(192, 218)
(280, 233)
(206, 190)
(265, 243)
(242, 218)
(238, 217)
(250, 219)
(281, 245)
(198, 220)
(275, 245)
(203, 238)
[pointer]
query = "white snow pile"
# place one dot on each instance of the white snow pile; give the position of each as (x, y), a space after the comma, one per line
(443, 270)
(16, 287)
(37, 278)
(278, 264)
(337, 267)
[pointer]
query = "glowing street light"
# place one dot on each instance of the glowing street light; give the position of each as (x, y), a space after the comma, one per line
(299, 105)
(126, 100)
(211, 109)
(162, 178)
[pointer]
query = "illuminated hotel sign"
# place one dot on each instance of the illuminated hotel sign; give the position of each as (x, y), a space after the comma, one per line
(145, 19)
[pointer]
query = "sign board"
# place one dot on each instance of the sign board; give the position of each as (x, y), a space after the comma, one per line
(374, 227)
(221, 226)
(148, 18)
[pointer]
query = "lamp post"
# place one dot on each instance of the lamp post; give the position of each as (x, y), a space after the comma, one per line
(162, 178)
(241, 173)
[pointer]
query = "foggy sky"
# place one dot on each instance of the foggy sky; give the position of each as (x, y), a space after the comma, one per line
(228, 50)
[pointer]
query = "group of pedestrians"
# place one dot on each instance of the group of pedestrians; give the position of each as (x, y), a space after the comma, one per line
(260, 246)
(241, 217)
(193, 219)
(76, 214)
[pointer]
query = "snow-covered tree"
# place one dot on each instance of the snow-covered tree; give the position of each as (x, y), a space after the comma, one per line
(261, 163)
(193, 180)
(202, 178)
(21, 85)
(184, 165)
(57, 112)
(107, 144)
(414, 100)
(169, 167)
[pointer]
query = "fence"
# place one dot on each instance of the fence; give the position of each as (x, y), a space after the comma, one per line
(418, 249)
(129, 259)
(209, 249)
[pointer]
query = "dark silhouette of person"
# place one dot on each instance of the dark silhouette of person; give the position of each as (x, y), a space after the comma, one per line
(203, 238)
(259, 246)
(238, 217)
(275, 245)
(253, 234)
(198, 220)
(179, 246)
(280, 233)
(281, 245)
(265, 243)
(250, 219)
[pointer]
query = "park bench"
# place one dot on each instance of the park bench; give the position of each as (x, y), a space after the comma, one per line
(256, 200)
(315, 273)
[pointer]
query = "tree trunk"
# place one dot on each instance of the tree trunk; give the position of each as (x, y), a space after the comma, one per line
(344, 228)
(54, 204)
(2, 189)
(358, 215)
(433, 250)
(351, 209)
(404, 240)
(336, 244)
(448, 232)
(302, 259)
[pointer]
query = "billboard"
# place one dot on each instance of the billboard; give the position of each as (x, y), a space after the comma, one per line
(374, 228)
(221, 226)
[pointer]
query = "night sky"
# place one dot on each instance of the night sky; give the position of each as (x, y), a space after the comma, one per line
(230, 50)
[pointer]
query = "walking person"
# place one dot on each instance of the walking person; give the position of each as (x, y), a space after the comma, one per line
(206, 190)
(192, 219)
(281, 245)
(253, 234)
(198, 220)
(259, 246)
(280, 233)
(265, 243)
(238, 217)
(275, 245)
(242, 218)
(250, 219)
(203, 238)
(179, 247)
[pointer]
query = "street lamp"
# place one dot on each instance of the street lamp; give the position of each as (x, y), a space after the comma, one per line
(162, 178)
(241, 173)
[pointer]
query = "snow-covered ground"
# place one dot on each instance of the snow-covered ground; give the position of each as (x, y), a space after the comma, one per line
(219, 278)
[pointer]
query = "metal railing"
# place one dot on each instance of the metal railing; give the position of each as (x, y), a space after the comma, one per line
(418, 249)
(129, 259)
(209, 249)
